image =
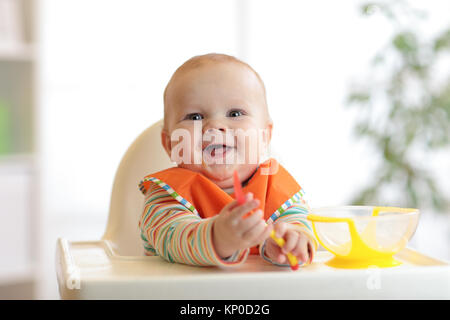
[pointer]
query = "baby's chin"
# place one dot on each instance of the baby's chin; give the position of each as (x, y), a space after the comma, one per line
(222, 174)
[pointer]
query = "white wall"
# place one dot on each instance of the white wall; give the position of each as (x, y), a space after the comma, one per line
(307, 55)
(105, 65)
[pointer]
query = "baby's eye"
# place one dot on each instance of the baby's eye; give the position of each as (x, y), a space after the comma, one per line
(235, 113)
(194, 116)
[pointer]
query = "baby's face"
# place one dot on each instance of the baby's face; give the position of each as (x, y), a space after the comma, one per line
(211, 103)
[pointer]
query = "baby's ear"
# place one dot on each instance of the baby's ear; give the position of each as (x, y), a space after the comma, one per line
(165, 141)
(268, 133)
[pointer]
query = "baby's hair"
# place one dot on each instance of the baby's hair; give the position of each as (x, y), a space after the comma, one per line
(201, 60)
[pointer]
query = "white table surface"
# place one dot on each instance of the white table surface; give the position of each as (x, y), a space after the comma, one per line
(91, 270)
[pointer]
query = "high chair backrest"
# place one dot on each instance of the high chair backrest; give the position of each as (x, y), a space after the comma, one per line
(144, 156)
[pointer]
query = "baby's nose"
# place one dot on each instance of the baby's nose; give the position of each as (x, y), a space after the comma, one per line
(214, 125)
(214, 129)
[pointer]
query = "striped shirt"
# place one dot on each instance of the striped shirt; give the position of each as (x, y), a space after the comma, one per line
(171, 231)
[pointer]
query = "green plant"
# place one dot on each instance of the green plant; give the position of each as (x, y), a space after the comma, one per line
(5, 134)
(404, 110)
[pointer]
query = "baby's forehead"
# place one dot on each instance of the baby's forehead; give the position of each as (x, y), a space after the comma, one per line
(205, 65)
(209, 60)
(209, 64)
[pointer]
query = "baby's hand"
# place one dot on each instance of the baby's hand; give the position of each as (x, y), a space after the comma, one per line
(231, 232)
(297, 243)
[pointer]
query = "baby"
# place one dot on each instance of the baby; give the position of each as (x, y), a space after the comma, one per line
(216, 103)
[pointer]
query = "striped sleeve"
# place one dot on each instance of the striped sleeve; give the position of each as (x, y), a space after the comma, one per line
(295, 216)
(171, 231)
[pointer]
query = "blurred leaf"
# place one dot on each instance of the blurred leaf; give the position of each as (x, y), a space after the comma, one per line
(442, 42)
(405, 42)
(359, 97)
(412, 193)
(369, 8)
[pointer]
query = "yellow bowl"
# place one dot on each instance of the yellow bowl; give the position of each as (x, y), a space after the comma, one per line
(363, 236)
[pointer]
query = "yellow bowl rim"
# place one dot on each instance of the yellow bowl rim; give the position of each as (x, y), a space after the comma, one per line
(321, 218)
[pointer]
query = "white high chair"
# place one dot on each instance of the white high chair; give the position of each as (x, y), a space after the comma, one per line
(116, 268)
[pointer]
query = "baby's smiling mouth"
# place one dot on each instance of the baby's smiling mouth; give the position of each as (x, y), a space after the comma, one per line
(216, 151)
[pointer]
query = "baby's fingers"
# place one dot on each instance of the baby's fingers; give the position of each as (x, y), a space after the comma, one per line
(301, 250)
(280, 229)
(239, 211)
(229, 206)
(274, 252)
(258, 233)
(292, 241)
(248, 223)
(310, 252)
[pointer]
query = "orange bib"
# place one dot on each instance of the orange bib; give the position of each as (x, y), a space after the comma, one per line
(276, 191)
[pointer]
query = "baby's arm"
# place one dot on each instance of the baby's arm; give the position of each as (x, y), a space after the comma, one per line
(176, 234)
(293, 226)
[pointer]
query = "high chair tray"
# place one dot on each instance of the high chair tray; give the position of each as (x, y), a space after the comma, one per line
(92, 270)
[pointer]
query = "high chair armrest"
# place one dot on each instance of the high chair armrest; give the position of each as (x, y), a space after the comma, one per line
(67, 272)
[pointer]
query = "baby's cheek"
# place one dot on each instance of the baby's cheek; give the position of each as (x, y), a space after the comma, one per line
(186, 143)
(250, 146)
(185, 151)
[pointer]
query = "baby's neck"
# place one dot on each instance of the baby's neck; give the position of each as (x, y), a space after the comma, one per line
(231, 189)
(228, 190)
